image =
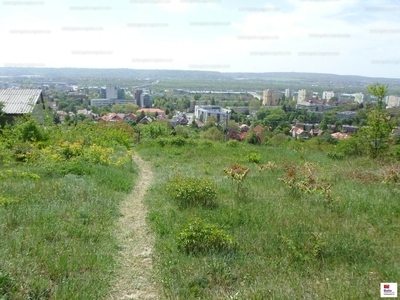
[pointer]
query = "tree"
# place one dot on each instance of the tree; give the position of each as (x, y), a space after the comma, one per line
(377, 132)
(254, 105)
(131, 108)
(379, 91)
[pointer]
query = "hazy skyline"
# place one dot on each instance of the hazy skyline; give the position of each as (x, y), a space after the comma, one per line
(351, 37)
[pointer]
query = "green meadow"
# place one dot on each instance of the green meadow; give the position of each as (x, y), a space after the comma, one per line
(331, 233)
(288, 219)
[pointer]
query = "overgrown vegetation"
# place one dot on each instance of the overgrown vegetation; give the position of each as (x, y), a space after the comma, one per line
(336, 229)
(60, 188)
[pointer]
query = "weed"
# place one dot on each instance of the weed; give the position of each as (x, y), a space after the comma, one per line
(199, 237)
(189, 191)
(238, 174)
(254, 157)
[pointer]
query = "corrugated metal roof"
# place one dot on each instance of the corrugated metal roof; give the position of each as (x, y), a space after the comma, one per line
(19, 101)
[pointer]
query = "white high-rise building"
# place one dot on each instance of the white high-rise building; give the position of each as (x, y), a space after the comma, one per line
(271, 97)
(111, 92)
(304, 96)
(326, 95)
(393, 101)
(289, 93)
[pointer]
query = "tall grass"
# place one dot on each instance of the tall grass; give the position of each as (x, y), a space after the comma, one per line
(57, 214)
(292, 245)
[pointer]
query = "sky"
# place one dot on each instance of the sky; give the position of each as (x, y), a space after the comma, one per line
(345, 37)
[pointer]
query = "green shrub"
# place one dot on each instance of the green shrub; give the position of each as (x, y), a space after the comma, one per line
(213, 134)
(232, 143)
(22, 151)
(178, 141)
(395, 152)
(352, 146)
(335, 155)
(192, 191)
(162, 142)
(254, 157)
(199, 237)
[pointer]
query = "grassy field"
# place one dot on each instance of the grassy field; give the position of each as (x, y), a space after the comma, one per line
(337, 244)
(59, 201)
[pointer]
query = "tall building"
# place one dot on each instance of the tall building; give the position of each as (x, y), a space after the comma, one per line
(304, 96)
(146, 100)
(393, 101)
(359, 97)
(271, 97)
(326, 95)
(121, 94)
(137, 96)
(112, 92)
(289, 93)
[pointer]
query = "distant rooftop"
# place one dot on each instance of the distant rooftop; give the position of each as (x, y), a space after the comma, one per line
(19, 101)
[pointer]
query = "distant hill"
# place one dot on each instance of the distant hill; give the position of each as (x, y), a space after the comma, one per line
(282, 77)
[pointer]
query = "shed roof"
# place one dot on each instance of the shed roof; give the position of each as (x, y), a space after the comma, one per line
(19, 101)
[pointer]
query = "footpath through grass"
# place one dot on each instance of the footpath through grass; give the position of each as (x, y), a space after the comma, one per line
(328, 229)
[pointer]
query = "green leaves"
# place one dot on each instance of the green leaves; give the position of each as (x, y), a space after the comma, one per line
(199, 237)
(190, 191)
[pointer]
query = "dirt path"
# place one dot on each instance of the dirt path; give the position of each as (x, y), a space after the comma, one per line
(134, 278)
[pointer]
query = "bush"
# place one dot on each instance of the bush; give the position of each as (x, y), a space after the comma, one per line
(335, 156)
(198, 237)
(162, 142)
(352, 147)
(192, 191)
(232, 143)
(254, 157)
(213, 134)
(178, 141)
(395, 152)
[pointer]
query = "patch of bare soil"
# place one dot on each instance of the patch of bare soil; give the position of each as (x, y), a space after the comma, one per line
(134, 279)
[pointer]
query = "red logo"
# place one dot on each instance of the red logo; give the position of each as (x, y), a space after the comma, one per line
(386, 286)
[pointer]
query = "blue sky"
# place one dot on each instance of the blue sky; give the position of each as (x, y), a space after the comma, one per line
(347, 37)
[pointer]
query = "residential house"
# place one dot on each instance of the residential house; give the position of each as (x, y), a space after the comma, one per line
(18, 102)
(340, 136)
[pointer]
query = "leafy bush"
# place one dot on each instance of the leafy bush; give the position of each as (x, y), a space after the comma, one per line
(23, 151)
(178, 141)
(395, 152)
(254, 157)
(162, 142)
(335, 155)
(253, 139)
(213, 134)
(232, 143)
(192, 190)
(352, 147)
(199, 237)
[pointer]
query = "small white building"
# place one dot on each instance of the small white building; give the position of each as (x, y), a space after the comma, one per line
(202, 112)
